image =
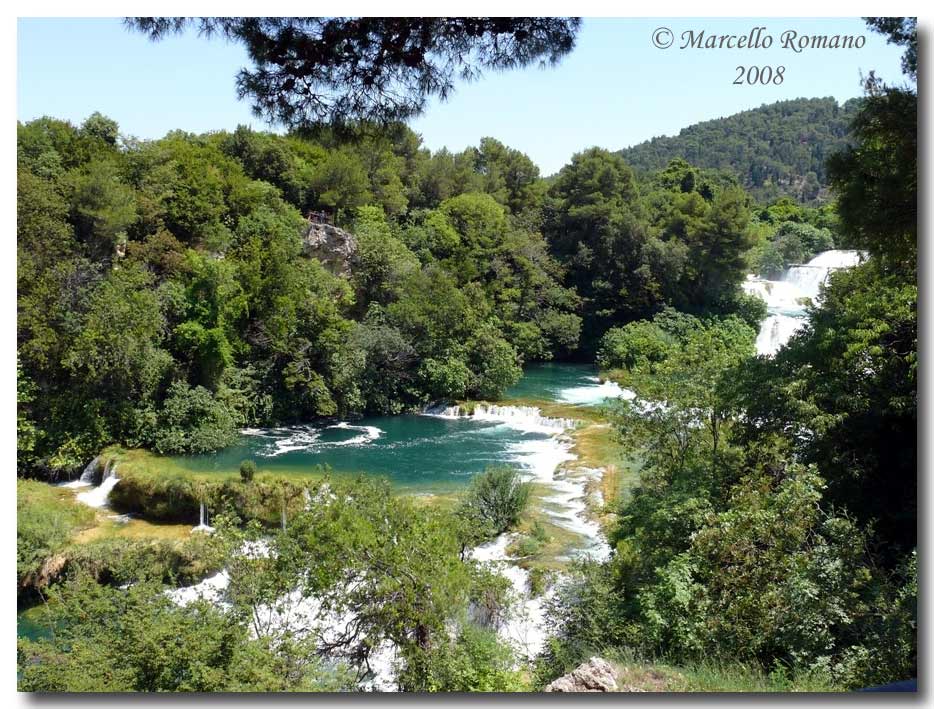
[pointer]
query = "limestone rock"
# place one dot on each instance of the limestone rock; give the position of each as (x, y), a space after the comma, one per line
(595, 675)
(332, 246)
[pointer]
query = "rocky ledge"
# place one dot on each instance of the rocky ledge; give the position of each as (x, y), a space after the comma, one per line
(595, 675)
(332, 246)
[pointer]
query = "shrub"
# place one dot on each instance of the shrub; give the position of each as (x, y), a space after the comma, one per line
(640, 343)
(497, 497)
(247, 471)
(194, 421)
(475, 661)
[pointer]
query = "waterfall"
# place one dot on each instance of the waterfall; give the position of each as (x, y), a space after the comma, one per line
(203, 525)
(99, 495)
(596, 393)
(88, 475)
(787, 298)
(282, 516)
(524, 418)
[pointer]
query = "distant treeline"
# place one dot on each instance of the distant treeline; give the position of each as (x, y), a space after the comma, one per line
(775, 150)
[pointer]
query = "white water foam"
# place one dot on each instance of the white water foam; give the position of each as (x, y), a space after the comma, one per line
(86, 478)
(595, 393)
(307, 438)
(527, 419)
(295, 612)
(524, 627)
(213, 589)
(539, 459)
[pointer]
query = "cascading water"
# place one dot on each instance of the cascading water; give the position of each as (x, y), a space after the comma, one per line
(98, 496)
(203, 520)
(524, 418)
(786, 298)
(88, 475)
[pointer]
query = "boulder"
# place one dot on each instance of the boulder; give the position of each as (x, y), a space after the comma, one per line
(332, 246)
(595, 675)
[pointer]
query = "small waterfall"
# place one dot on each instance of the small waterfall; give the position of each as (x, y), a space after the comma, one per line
(596, 393)
(787, 298)
(203, 525)
(90, 472)
(523, 418)
(99, 495)
(88, 475)
(282, 516)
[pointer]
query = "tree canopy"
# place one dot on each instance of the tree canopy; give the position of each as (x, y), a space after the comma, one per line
(384, 69)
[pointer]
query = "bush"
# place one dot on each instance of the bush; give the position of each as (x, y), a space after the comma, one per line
(247, 471)
(476, 661)
(497, 497)
(193, 420)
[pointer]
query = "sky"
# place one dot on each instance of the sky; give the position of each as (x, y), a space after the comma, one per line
(614, 90)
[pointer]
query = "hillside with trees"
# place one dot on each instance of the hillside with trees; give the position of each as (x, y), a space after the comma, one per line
(775, 150)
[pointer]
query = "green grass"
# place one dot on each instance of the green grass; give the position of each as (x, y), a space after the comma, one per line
(144, 465)
(47, 518)
(52, 504)
(636, 674)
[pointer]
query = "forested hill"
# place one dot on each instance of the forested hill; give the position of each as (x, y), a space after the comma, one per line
(777, 149)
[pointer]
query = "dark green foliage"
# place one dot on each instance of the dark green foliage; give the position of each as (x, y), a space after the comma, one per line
(775, 520)
(877, 178)
(338, 69)
(632, 249)
(474, 661)
(165, 299)
(138, 639)
(168, 282)
(792, 243)
(192, 420)
(847, 394)
(777, 149)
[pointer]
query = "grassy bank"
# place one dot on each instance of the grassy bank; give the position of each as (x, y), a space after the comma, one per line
(47, 521)
(57, 535)
(640, 675)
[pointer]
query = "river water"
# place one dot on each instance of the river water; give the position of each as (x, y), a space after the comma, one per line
(435, 451)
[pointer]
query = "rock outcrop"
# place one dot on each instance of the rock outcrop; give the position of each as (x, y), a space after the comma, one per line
(595, 675)
(332, 246)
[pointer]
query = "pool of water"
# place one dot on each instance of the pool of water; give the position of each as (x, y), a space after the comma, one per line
(417, 451)
(412, 450)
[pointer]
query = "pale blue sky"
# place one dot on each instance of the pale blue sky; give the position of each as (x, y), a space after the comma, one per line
(614, 90)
